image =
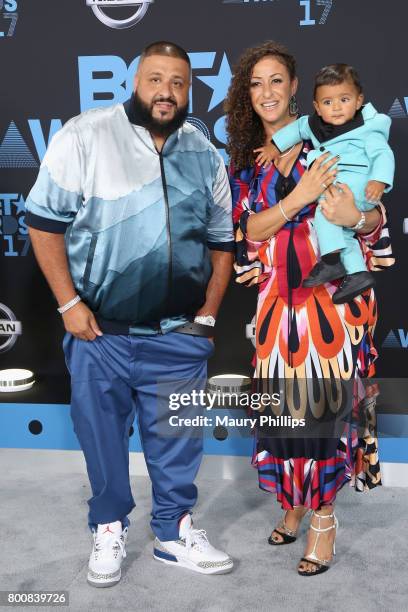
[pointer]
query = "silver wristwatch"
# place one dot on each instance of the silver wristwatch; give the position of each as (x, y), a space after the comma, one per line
(205, 320)
(360, 224)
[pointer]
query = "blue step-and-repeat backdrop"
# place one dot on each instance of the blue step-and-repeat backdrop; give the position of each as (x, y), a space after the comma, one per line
(60, 58)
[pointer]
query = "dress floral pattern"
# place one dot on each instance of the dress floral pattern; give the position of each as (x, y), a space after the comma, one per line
(302, 336)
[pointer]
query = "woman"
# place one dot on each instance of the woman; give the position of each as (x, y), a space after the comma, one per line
(300, 333)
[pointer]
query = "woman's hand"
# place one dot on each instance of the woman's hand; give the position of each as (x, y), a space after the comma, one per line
(316, 180)
(339, 206)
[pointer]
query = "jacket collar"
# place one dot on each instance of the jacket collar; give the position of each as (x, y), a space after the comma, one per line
(368, 111)
(326, 131)
(134, 117)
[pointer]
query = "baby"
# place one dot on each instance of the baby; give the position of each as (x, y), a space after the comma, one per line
(358, 134)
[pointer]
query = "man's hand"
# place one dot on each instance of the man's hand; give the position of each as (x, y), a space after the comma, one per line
(81, 323)
(266, 155)
(51, 255)
(222, 268)
(374, 191)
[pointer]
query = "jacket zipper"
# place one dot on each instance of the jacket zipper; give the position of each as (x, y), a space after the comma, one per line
(358, 165)
(169, 245)
(89, 259)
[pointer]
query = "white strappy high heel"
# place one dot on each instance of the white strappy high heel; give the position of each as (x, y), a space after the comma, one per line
(322, 564)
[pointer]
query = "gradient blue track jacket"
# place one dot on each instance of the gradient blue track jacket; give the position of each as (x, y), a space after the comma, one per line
(138, 224)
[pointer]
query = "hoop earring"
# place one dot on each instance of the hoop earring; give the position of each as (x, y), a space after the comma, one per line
(293, 106)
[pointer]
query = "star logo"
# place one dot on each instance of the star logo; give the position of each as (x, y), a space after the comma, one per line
(219, 83)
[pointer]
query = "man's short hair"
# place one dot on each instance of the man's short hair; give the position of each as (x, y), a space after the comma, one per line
(163, 47)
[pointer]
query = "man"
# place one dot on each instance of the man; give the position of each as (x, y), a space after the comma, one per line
(128, 205)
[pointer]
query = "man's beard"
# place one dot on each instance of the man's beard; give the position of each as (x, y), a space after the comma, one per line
(156, 127)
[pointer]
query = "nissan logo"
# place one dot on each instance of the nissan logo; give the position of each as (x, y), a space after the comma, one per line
(98, 7)
(10, 329)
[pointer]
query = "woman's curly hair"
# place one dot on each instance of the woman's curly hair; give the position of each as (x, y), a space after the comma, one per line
(244, 127)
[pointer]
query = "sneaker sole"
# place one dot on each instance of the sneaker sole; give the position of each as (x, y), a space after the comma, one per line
(352, 295)
(311, 284)
(195, 568)
(104, 583)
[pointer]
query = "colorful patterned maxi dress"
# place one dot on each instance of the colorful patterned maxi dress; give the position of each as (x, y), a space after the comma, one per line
(301, 334)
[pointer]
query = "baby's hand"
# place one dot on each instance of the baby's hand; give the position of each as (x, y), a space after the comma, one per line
(267, 154)
(374, 191)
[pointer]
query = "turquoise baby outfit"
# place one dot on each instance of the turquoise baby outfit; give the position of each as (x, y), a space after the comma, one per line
(365, 155)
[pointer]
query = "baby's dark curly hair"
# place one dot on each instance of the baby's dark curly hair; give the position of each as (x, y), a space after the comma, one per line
(244, 127)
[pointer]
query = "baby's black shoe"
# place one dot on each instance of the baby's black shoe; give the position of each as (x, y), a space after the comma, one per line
(352, 285)
(324, 273)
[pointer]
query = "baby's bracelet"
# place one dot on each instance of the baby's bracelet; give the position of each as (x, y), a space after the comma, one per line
(283, 212)
(69, 304)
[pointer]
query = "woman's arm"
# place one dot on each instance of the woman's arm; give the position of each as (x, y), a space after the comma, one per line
(248, 267)
(314, 181)
(372, 219)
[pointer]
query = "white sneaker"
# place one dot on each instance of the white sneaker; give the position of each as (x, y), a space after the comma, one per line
(193, 551)
(107, 554)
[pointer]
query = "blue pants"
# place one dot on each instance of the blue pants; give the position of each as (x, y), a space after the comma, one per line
(112, 379)
(333, 237)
